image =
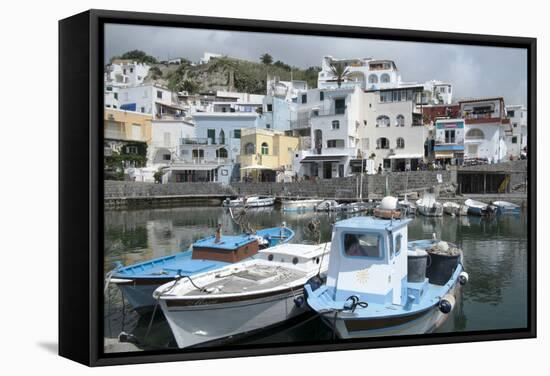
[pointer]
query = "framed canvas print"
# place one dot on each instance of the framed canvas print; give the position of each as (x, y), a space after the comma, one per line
(236, 187)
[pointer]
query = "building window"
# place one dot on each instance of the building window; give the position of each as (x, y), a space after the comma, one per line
(142, 109)
(400, 121)
(304, 98)
(514, 140)
(237, 133)
(400, 143)
(385, 78)
(382, 143)
(340, 106)
(115, 95)
(222, 137)
(475, 134)
(159, 94)
(221, 153)
(211, 136)
(511, 113)
(382, 121)
(198, 153)
(166, 157)
(450, 136)
(265, 148)
(268, 126)
(335, 124)
(515, 125)
(335, 143)
(321, 95)
(131, 150)
(373, 79)
(249, 149)
(269, 107)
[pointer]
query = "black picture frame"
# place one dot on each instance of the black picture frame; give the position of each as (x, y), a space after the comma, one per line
(81, 183)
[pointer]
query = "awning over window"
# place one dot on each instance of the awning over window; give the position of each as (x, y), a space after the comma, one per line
(406, 156)
(323, 158)
(444, 154)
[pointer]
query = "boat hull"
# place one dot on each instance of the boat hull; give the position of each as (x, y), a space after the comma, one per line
(302, 205)
(423, 322)
(431, 211)
(193, 325)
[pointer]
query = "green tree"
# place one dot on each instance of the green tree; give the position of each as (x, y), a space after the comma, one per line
(138, 56)
(266, 59)
(340, 72)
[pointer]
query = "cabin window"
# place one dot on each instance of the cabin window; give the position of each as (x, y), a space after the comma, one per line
(398, 241)
(362, 245)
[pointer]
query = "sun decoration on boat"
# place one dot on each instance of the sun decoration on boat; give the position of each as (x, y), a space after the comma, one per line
(362, 276)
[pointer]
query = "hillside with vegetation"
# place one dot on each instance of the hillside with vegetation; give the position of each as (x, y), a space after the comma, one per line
(223, 73)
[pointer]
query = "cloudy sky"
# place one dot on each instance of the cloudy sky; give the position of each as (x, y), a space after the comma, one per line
(474, 71)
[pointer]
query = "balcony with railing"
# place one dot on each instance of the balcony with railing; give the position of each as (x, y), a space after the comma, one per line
(203, 141)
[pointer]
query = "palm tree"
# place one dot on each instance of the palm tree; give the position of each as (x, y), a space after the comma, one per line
(266, 58)
(340, 71)
(225, 65)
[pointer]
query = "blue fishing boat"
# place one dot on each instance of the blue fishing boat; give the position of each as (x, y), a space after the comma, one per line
(138, 281)
(378, 284)
(505, 207)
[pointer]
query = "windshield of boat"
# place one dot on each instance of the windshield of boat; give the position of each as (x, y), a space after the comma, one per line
(362, 245)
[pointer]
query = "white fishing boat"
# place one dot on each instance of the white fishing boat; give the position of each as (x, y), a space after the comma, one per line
(451, 208)
(378, 284)
(244, 297)
(479, 208)
(329, 205)
(356, 207)
(408, 207)
(249, 202)
(429, 206)
(505, 207)
(300, 205)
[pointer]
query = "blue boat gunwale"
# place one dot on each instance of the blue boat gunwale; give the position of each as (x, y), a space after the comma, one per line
(129, 272)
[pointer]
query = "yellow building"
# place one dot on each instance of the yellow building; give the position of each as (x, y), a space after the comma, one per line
(265, 153)
(123, 125)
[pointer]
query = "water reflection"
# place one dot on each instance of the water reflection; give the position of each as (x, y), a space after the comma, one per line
(495, 256)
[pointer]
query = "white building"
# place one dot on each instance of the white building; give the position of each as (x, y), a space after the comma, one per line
(150, 98)
(392, 133)
(123, 72)
(449, 140)
(516, 142)
(207, 56)
(212, 154)
(333, 115)
(166, 136)
(368, 73)
(486, 128)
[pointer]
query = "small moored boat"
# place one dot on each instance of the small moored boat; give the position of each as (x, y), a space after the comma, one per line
(375, 286)
(328, 206)
(249, 202)
(138, 281)
(300, 205)
(451, 208)
(429, 206)
(479, 208)
(242, 298)
(505, 207)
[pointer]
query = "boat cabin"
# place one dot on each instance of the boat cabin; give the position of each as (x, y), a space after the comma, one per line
(368, 258)
(227, 248)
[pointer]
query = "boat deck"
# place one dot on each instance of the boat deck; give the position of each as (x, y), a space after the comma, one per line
(256, 278)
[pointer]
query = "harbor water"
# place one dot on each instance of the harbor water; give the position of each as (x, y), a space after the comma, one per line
(495, 256)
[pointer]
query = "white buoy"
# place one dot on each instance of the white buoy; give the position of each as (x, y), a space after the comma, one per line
(388, 203)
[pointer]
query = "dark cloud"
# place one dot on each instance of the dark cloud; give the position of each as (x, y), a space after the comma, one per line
(473, 70)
